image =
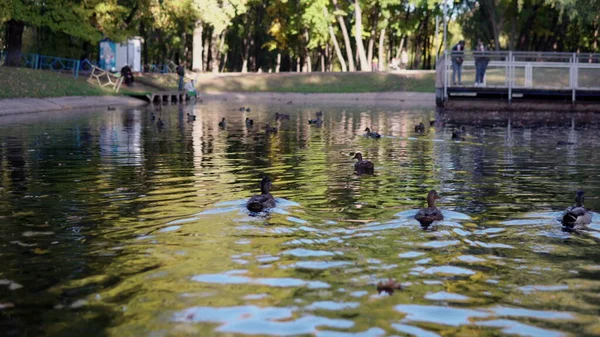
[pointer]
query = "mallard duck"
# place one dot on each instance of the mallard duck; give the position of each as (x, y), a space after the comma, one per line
(317, 121)
(420, 128)
(372, 134)
(243, 108)
(456, 135)
(290, 102)
(270, 129)
(152, 116)
(160, 123)
(110, 108)
(223, 123)
(247, 109)
(279, 116)
(191, 117)
(430, 214)
(363, 166)
(432, 122)
(249, 122)
(577, 214)
(260, 202)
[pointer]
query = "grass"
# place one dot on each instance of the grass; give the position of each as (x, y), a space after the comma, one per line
(302, 82)
(23, 82)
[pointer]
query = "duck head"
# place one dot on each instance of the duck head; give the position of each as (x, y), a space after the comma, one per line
(367, 130)
(265, 185)
(223, 120)
(579, 198)
(432, 196)
(358, 156)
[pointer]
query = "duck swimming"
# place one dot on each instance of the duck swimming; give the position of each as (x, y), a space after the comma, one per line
(270, 129)
(577, 214)
(317, 121)
(249, 122)
(152, 116)
(260, 202)
(160, 123)
(363, 166)
(223, 123)
(372, 134)
(430, 214)
(191, 117)
(420, 128)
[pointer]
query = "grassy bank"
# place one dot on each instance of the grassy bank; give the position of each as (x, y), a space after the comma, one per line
(302, 82)
(23, 82)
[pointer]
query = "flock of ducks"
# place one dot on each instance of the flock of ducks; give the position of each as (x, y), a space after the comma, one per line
(573, 217)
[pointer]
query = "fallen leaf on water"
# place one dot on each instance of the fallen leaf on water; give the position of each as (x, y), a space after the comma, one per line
(32, 233)
(41, 251)
(6, 305)
(389, 286)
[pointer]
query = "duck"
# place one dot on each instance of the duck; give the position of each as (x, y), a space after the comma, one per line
(191, 117)
(263, 201)
(577, 214)
(289, 102)
(279, 116)
(270, 129)
(243, 108)
(249, 122)
(152, 116)
(111, 108)
(459, 133)
(363, 166)
(160, 123)
(428, 215)
(223, 123)
(248, 110)
(432, 122)
(317, 121)
(372, 134)
(420, 128)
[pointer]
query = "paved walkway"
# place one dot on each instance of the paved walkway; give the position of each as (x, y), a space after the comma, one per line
(13, 106)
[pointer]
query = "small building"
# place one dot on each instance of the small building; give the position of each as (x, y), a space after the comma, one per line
(117, 55)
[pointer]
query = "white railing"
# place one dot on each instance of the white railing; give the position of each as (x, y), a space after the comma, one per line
(105, 78)
(527, 70)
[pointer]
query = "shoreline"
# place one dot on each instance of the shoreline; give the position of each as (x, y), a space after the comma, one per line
(399, 98)
(17, 106)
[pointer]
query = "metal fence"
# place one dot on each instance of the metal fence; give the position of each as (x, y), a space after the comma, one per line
(45, 62)
(523, 70)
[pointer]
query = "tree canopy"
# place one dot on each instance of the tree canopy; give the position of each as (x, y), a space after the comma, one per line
(296, 35)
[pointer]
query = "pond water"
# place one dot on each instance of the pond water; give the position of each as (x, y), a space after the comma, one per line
(111, 226)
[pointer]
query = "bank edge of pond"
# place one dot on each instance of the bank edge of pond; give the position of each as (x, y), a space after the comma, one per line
(15, 106)
(399, 99)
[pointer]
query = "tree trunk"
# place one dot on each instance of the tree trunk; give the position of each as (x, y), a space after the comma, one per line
(197, 64)
(206, 49)
(248, 41)
(372, 36)
(349, 52)
(491, 11)
(308, 68)
(338, 51)
(298, 65)
(381, 50)
(15, 42)
(322, 62)
(278, 63)
(214, 52)
(364, 64)
(400, 46)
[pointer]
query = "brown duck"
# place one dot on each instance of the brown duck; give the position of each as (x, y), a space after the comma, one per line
(363, 166)
(430, 214)
(577, 214)
(263, 201)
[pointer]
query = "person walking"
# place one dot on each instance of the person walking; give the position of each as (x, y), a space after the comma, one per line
(181, 72)
(457, 61)
(481, 62)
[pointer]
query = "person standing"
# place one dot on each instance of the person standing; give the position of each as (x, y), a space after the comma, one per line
(181, 72)
(481, 62)
(457, 61)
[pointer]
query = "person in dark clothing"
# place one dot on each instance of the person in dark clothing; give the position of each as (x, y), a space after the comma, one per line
(127, 75)
(181, 73)
(481, 62)
(457, 61)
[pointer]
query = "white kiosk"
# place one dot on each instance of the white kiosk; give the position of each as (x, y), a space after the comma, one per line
(117, 55)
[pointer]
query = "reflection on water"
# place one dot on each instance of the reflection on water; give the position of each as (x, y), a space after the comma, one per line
(114, 227)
